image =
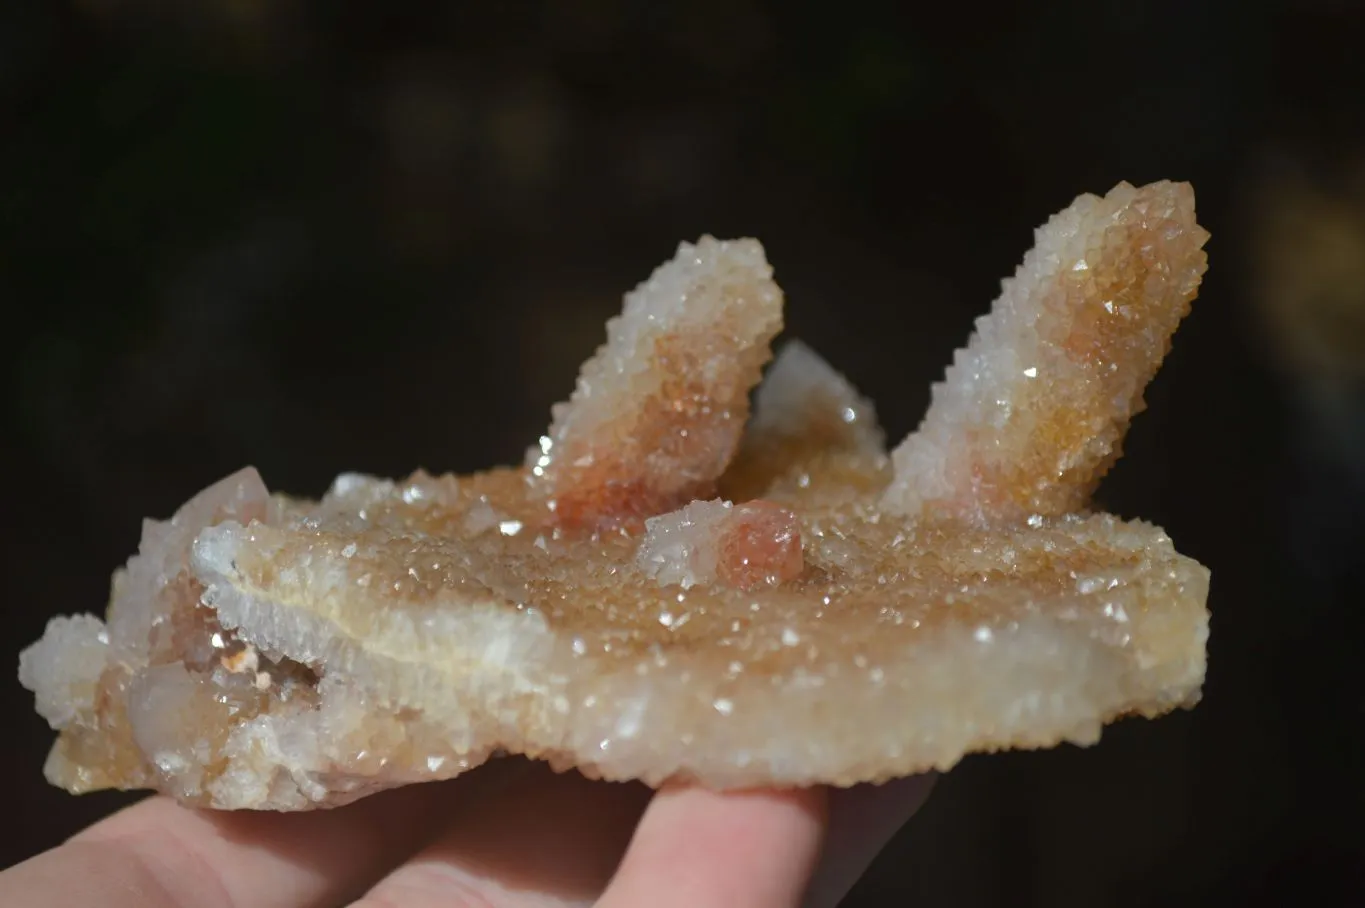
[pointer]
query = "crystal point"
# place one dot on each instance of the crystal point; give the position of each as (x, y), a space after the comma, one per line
(1085, 321)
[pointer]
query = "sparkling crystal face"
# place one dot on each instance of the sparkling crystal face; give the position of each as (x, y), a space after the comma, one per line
(672, 588)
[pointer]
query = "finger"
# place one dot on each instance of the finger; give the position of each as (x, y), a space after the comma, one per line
(741, 849)
(157, 854)
(862, 820)
(550, 841)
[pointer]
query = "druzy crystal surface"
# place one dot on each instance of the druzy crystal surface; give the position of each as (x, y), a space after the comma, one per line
(671, 587)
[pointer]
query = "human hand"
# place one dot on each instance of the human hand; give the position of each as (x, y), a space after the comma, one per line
(509, 835)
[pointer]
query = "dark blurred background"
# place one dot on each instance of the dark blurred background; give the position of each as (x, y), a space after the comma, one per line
(326, 235)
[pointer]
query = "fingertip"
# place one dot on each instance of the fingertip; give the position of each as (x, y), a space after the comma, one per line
(748, 849)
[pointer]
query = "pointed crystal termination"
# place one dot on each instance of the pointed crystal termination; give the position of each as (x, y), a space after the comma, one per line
(658, 411)
(811, 429)
(1033, 410)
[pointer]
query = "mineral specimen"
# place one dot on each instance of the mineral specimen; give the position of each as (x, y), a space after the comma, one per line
(670, 589)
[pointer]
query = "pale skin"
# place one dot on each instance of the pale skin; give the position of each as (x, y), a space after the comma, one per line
(510, 835)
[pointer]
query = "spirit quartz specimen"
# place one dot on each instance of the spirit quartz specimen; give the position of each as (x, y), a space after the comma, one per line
(672, 588)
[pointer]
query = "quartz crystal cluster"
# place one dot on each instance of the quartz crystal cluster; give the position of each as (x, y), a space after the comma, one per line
(671, 587)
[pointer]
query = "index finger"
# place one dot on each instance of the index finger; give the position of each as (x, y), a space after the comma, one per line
(157, 854)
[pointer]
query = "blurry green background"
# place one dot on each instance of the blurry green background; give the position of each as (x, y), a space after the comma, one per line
(320, 236)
